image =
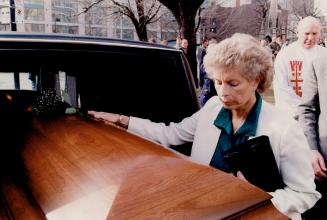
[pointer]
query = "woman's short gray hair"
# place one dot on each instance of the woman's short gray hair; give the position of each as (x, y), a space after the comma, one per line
(243, 52)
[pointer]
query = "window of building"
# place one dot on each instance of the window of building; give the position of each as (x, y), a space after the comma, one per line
(34, 10)
(228, 3)
(153, 25)
(65, 29)
(117, 22)
(64, 10)
(34, 28)
(96, 31)
(5, 27)
(34, 14)
(152, 34)
(168, 36)
(34, 2)
(5, 15)
(96, 15)
(117, 33)
(244, 2)
(128, 34)
(127, 22)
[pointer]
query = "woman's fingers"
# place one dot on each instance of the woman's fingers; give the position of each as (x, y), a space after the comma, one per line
(240, 175)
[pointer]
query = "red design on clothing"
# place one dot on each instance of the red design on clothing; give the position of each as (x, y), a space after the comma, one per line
(296, 80)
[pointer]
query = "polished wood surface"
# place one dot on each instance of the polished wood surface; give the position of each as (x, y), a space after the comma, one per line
(264, 213)
(17, 203)
(82, 169)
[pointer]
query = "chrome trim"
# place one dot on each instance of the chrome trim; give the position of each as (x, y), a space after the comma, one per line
(16, 39)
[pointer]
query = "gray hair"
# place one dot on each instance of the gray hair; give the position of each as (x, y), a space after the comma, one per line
(309, 20)
(243, 52)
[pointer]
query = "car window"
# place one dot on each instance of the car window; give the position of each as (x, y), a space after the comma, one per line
(144, 85)
(132, 81)
(9, 81)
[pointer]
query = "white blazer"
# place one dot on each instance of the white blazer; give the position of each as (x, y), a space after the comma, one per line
(288, 143)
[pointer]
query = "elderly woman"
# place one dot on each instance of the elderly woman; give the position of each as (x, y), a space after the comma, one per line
(241, 69)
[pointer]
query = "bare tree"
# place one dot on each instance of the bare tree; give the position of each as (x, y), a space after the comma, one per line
(303, 8)
(140, 12)
(299, 9)
(168, 25)
(262, 8)
(185, 12)
(222, 22)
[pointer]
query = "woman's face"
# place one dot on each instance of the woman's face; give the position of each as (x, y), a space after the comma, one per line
(234, 91)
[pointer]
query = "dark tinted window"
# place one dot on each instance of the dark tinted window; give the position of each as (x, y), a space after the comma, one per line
(146, 83)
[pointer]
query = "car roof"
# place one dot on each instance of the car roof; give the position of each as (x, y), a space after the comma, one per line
(78, 39)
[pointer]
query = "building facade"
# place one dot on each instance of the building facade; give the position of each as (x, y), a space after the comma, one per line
(226, 3)
(256, 17)
(65, 16)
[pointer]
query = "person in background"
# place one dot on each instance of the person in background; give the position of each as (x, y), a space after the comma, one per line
(286, 43)
(152, 40)
(184, 46)
(164, 42)
(279, 40)
(207, 87)
(266, 46)
(241, 70)
(293, 62)
(178, 42)
(313, 118)
(275, 46)
(321, 42)
(200, 53)
(268, 40)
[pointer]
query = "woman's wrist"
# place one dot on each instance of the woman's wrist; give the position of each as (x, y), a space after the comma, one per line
(122, 121)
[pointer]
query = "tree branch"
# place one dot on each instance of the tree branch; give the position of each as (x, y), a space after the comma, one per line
(87, 8)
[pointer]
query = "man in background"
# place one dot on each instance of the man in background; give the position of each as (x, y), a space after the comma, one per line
(293, 62)
(184, 45)
(200, 53)
(276, 45)
(208, 87)
(313, 118)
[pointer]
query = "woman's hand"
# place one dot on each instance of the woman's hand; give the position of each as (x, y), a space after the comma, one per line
(318, 164)
(104, 116)
(108, 117)
(240, 175)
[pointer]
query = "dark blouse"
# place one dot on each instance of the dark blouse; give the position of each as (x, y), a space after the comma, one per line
(227, 139)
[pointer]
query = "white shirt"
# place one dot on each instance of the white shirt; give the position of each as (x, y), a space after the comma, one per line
(290, 65)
